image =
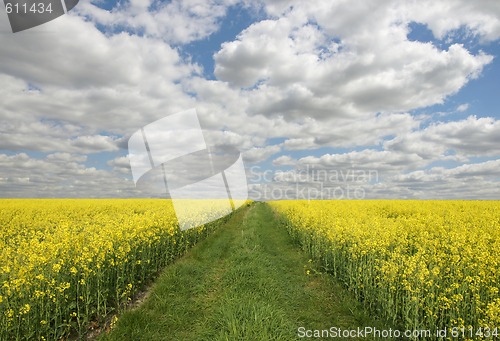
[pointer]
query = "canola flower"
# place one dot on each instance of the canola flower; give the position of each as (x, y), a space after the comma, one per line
(65, 263)
(420, 264)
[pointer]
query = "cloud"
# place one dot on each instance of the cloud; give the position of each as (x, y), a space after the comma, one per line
(404, 168)
(120, 164)
(284, 160)
(300, 143)
(307, 76)
(351, 62)
(52, 136)
(258, 154)
(72, 53)
(480, 17)
(59, 175)
(85, 89)
(348, 132)
(463, 107)
(335, 181)
(177, 21)
(472, 181)
(382, 161)
(465, 138)
(66, 157)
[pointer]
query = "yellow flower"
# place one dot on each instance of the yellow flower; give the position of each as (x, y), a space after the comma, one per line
(437, 254)
(25, 309)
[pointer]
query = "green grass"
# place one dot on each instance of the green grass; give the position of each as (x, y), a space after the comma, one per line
(247, 281)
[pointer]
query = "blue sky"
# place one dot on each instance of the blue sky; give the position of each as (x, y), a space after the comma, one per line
(409, 92)
(481, 94)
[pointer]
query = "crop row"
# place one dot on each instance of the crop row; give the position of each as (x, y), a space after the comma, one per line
(66, 264)
(419, 264)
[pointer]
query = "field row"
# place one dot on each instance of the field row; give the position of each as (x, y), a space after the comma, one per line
(420, 264)
(65, 264)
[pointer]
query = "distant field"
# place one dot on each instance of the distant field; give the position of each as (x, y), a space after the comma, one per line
(66, 263)
(420, 264)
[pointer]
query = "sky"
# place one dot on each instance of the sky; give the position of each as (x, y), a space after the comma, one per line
(325, 99)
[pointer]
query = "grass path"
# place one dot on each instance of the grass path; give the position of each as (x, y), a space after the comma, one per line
(247, 281)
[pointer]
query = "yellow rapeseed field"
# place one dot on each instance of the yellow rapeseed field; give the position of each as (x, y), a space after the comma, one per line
(420, 264)
(66, 263)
